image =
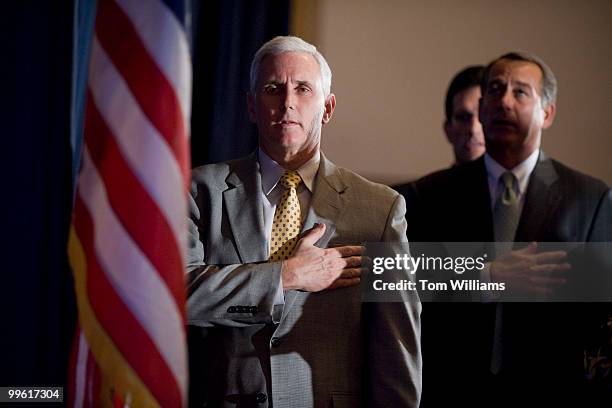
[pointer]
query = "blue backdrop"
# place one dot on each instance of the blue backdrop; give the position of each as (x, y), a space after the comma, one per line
(45, 49)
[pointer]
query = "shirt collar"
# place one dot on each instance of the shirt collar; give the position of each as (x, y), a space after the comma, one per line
(521, 171)
(271, 171)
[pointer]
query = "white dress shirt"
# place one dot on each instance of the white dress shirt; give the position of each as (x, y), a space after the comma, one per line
(521, 171)
(272, 192)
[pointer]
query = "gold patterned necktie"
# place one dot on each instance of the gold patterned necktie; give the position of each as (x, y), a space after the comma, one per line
(286, 225)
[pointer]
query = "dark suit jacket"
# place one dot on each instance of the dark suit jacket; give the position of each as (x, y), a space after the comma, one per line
(542, 343)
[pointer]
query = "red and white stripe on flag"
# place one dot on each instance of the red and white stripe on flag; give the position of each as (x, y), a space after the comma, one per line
(128, 234)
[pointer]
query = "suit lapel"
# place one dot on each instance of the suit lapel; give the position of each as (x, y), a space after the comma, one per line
(325, 206)
(243, 204)
(472, 217)
(466, 194)
(326, 200)
(539, 202)
(483, 230)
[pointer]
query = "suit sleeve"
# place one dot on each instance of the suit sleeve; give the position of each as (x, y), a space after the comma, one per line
(393, 338)
(597, 264)
(410, 194)
(228, 295)
(601, 226)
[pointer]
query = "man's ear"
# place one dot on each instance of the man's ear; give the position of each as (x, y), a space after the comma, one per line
(330, 105)
(549, 115)
(480, 115)
(447, 131)
(251, 107)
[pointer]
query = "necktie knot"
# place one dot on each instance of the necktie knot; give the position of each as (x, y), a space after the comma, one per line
(508, 194)
(290, 179)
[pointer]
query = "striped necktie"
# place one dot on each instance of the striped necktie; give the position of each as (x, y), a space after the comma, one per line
(506, 218)
(506, 212)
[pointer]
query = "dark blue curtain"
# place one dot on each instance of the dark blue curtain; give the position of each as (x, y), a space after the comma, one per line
(37, 294)
(226, 36)
(44, 65)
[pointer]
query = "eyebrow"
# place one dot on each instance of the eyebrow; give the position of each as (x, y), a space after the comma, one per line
(514, 82)
(276, 82)
(272, 82)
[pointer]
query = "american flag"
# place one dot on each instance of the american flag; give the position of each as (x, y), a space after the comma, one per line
(128, 233)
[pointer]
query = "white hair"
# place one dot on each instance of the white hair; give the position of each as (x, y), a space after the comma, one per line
(281, 44)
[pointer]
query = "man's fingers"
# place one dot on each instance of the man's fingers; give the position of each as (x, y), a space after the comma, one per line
(344, 251)
(342, 283)
(314, 234)
(549, 267)
(529, 249)
(550, 257)
(347, 250)
(351, 273)
(353, 261)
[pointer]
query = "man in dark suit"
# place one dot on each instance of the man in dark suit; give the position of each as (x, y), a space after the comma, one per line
(511, 354)
(271, 235)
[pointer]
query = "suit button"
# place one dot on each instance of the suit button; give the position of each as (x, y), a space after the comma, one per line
(231, 309)
(261, 397)
(275, 341)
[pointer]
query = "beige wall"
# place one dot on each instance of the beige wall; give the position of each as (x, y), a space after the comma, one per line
(392, 61)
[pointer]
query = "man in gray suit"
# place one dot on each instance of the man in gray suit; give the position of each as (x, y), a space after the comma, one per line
(276, 318)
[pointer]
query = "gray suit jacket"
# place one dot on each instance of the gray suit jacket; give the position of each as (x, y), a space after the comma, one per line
(325, 349)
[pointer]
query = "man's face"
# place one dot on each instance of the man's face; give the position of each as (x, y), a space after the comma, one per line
(511, 108)
(463, 130)
(289, 106)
